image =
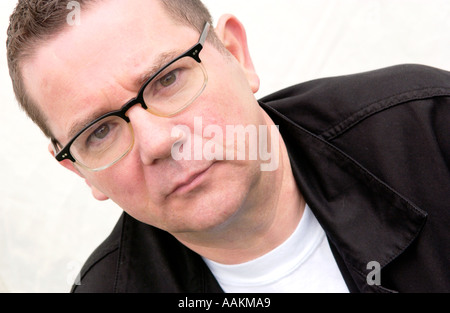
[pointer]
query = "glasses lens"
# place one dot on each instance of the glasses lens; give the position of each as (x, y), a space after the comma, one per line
(176, 87)
(103, 144)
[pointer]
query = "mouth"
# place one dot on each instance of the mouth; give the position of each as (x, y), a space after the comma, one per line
(190, 183)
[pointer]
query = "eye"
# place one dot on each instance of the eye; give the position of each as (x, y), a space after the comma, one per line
(102, 142)
(168, 79)
(101, 135)
(101, 132)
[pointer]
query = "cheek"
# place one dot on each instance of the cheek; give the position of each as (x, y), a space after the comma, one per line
(227, 95)
(130, 191)
(225, 105)
(124, 183)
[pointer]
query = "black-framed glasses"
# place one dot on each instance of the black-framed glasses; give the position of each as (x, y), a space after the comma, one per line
(108, 139)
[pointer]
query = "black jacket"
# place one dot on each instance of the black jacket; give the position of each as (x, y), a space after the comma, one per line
(371, 155)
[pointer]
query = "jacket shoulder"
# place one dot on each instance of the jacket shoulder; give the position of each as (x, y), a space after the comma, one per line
(320, 104)
(98, 274)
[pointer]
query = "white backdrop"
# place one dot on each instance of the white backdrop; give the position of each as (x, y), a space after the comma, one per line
(49, 223)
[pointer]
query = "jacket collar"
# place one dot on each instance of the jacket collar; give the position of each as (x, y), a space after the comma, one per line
(363, 217)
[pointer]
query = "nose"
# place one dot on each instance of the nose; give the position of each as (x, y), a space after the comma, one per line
(152, 135)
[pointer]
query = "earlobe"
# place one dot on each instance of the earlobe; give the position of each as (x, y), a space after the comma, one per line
(233, 36)
(71, 167)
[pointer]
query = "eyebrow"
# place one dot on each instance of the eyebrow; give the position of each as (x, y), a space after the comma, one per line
(160, 61)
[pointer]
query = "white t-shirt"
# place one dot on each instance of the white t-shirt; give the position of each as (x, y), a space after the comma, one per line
(303, 263)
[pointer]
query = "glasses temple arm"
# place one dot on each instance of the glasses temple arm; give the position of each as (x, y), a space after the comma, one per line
(204, 34)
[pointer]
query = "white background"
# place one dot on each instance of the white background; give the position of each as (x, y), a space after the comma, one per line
(49, 222)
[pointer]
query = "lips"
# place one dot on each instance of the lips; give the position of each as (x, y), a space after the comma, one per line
(190, 182)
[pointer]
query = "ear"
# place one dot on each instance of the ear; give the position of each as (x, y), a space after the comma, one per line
(71, 167)
(233, 36)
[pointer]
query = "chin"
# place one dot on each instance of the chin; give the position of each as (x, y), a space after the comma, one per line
(213, 205)
(212, 211)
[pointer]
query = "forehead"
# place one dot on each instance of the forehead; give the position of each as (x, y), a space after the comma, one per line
(93, 66)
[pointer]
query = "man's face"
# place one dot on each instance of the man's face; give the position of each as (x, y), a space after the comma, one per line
(91, 69)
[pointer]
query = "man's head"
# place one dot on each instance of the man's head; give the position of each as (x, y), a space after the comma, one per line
(74, 74)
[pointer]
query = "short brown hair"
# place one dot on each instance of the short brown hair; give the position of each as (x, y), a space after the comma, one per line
(37, 21)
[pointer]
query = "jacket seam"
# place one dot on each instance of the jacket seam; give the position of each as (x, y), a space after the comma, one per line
(380, 105)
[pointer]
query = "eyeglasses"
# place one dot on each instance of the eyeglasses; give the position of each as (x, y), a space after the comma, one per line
(108, 139)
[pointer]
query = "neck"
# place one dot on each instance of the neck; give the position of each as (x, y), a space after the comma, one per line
(260, 225)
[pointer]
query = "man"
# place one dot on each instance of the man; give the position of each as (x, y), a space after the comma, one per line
(351, 195)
